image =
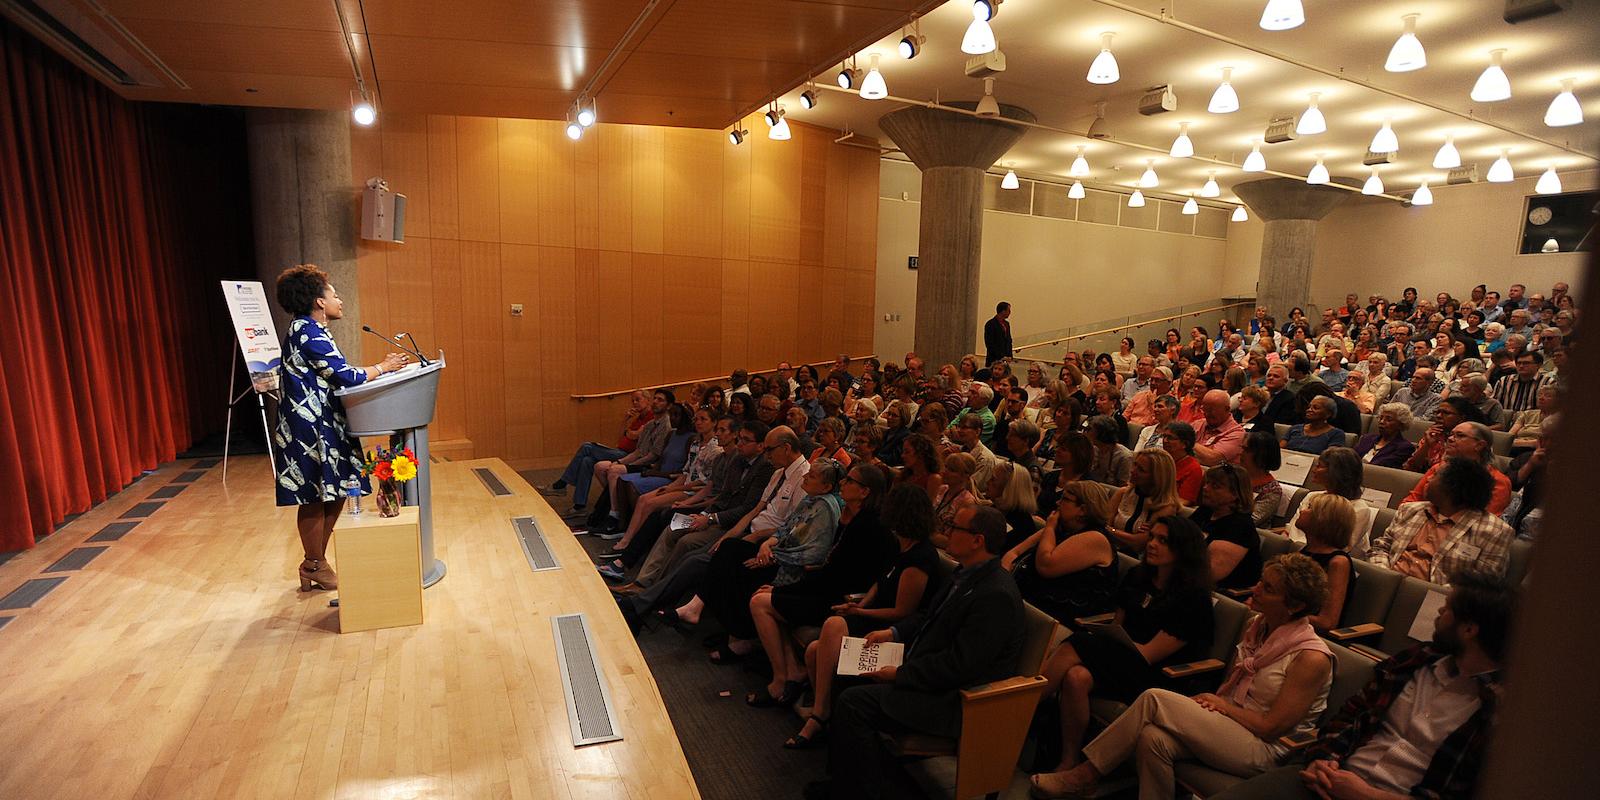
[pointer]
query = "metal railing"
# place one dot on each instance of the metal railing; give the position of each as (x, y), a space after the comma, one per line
(1122, 328)
(712, 379)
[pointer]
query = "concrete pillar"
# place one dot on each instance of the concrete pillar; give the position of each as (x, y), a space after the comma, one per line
(1290, 209)
(304, 207)
(952, 150)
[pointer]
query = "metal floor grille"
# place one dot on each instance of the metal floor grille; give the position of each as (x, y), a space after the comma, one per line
(189, 477)
(207, 463)
(114, 531)
(588, 702)
(5, 621)
(169, 491)
(77, 559)
(27, 594)
(141, 510)
(491, 481)
(534, 545)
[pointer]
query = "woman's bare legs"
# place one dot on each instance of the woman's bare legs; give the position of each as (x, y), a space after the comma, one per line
(1072, 682)
(776, 642)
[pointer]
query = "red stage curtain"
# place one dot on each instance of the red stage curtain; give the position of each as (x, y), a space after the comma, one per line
(116, 222)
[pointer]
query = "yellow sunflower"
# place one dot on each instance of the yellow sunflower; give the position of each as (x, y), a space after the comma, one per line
(404, 468)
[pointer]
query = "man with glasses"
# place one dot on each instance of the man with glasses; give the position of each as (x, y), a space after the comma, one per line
(1471, 441)
(1142, 407)
(1520, 392)
(967, 437)
(1140, 381)
(971, 633)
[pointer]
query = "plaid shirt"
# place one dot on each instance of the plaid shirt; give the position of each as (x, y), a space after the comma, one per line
(1453, 772)
(1477, 540)
(1516, 394)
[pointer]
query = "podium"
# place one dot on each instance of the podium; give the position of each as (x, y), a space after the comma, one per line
(401, 402)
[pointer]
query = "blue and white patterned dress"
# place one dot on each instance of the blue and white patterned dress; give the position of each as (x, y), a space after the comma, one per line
(315, 457)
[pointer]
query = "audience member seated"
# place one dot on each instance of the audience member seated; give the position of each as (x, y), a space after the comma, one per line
(971, 635)
(1431, 448)
(896, 428)
(1338, 471)
(1526, 425)
(1278, 685)
(1376, 372)
(1108, 404)
(1151, 493)
(1218, 437)
(682, 442)
(1068, 569)
(1475, 390)
(1424, 725)
(1355, 391)
(1387, 445)
(1165, 410)
(1261, 457)
(1224, 516)
(1448, 532)
(1179, 443)
(831, 442)
(1280, 408)
(580, 471)
(921, 464)
(1327, 522)
(1164, 607)
(1418, 394)
(1470, 440)
(956, 493)
(1346, 416)
(1528, 479)
(860, 552)
(979, 395)
(1141, 407)
(966, 436)
(1317, 433)
(1112, 461)
(1021, 446)
(1253, 402)
(932, 421)
(865, 442)
(694, 482)
(1070, 461)
(1140, 380)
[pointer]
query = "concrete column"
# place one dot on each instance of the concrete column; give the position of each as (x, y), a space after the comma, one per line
(304, 207)
(1290, 209)
(952, 150)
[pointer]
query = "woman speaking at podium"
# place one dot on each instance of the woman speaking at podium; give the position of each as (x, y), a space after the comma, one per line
(316, 460)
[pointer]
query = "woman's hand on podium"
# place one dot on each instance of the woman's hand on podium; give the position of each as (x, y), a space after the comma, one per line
(392, 362)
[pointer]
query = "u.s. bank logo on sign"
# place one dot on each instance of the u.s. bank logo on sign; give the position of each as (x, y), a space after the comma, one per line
(251, 332)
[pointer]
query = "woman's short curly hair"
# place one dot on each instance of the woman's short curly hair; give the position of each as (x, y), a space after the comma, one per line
(299, 287)
(1304, 582)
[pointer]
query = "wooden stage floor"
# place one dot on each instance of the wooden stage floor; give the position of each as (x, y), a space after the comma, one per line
(183, 662)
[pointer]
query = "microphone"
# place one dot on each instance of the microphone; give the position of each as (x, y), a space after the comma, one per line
(395, 341)
(415, 350)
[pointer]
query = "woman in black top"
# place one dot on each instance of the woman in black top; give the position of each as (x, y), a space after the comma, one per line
(1164, 606)
(910, 582)
(1328, 521)
(1069, 568)
(1232, 544)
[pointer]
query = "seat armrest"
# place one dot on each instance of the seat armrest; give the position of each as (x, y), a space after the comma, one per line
(1363, 630)
(1002, 688)
(1097, 619)
(1368, 652)
(1237, 594)
(1298, 741)
(1192, 668)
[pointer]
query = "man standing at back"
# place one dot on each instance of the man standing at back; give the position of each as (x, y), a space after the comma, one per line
(997, 335)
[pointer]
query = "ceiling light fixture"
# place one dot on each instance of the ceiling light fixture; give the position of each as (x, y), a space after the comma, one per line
(1224, 100)
(1493, 85)
(1104, 69)
(1149, 180)
(1311, 120)
(1423, 196)
(362, 110)
(1136, 200)
(987, 105)
(1319, 173)
(586, 113)
(1374, 184)
(1407, 54)
(1010, 180)
(1281, 15)
(1564, 110)
(1240, 215)
(736, 136)
(1549, 182)
(1190, 207)
(1211, 189)
(772, 116)
(1080, 165)
(1384, 141)
(849, 76)
(808, 98)
(1255, 162)
(779, 126)
(911, 41)
(1182, 147)
(873, 86)
(1500, 171)
(979, 38)
(574, 130)
(1550, 246)
(1448, 156)
(1076, 192)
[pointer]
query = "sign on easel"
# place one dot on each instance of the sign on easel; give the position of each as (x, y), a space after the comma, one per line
(258, 338)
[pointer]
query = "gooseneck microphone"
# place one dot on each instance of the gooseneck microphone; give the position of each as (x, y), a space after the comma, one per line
(395, 341)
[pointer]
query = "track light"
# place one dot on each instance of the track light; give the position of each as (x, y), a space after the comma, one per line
(1182, 147)
(362, 110)
(1149, 180)
(1423, 196)
(1374, 184)
(1384, 141)
(1211, 189)
(1493, 85)
(1010, 180)
(849, 77)
(1500, 171)
(772, 116)
(586, 113)
(1564, 110)
(1077, 193)
(1136, 200)
(988, 106)
(1240, 215)
(1255, 162)
(1407, 54)
(1190, 207)
(873, 87)
(736, 136)
(979, 38)
(778, 127)
(574, 131)
(808, 99)
(1281, 15)
(1549, 182)
(1311, 120)
(1104, 69)
(911, 41)
(1224, 100)
(1080, 165)
(1448, 156)
(985, 9)
(1319, 173)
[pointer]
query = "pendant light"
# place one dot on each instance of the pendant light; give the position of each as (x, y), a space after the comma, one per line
(1010, 180)
(1374, 184)
(1384, 141)
(1240, 215)
(1149, 180)
(1104, 69)
(1182, 147)
(873, 86)
(1448, 156)
(1224, 100)
(1423, 196)
(780, 126)
(987, 105)
(1319, 173)
(979, 38)
(1550, 246)
(1076, 192)
(1255, 162)
(1549, 182)
(1407, 54)
(1190, 207)
(1564, 110)
(1080, 165)
(1500, 171)
(1493, 85)
(1211, 189)
(1311, 120)
(1136, 200)
(1281, 15)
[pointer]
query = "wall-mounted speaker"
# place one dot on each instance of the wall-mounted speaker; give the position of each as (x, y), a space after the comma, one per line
(383, 213)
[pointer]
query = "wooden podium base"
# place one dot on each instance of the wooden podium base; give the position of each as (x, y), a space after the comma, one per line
(380, 570)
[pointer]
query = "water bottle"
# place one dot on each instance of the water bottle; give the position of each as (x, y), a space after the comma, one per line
(354, 494)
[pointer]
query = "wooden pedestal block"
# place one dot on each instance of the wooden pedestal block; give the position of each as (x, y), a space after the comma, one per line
(380, 570)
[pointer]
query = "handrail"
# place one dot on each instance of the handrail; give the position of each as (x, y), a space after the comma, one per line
(619, 392)
(1120, 328)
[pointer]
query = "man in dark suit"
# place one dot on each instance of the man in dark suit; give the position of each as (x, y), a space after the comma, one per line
(997, 335)
(1280, 403)
(971, 634)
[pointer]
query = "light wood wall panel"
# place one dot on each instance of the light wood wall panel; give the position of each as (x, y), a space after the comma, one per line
(640, 255)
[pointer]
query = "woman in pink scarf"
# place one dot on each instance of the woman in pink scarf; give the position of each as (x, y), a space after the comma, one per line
(1277, 685)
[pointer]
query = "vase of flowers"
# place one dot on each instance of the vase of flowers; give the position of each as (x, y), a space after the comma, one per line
(390, 468)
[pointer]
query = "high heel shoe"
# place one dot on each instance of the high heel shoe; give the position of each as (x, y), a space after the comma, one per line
(319, 575)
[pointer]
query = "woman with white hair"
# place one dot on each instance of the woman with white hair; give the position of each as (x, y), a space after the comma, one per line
(1494, 337)
(1317, 433)
(1386, 446)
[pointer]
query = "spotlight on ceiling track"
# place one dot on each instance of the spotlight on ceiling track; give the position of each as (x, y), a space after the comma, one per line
(1500, 171)
(574, 130)
(1190, 207)
(1183, 146)
(1080, 165)
(736, 136)
(586, 112)
(1384, 141)
(1423, 196)
(911, 41)
(1010, 180)
(808, 99)
(1311, 120)
(1319, 173)
(1374, 184)
(772, 116)
(1281, 15)
(1136, 200)
(1149, 180)
(1211, 189)
(780, 128)
(362, 110)
(1255, 162)
(849, 76)
(1077, 192)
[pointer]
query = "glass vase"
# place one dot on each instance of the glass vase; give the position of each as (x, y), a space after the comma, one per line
(388, 492)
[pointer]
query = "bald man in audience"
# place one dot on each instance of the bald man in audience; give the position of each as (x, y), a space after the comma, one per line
(1419, 395)
(1219, 438)
(1474, 442)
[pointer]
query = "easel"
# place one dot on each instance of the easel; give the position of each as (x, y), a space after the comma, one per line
(250, 388)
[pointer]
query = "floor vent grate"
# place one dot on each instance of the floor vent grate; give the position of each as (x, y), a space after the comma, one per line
(534, 545)
(588, 702)
(491, 482)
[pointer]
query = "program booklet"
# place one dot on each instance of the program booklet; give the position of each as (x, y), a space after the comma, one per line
(1113, 631)
(856, 657)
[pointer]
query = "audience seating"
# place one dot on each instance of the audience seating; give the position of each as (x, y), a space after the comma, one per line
(1397, 482)
(1394, 634)
(1275, 544)
(1369, 604)
(1517, 565)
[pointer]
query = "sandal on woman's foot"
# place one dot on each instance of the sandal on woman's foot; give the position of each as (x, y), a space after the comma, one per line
(791, 692)
(800, 741)
(1051, 785)
(669, 617)
(726, 656)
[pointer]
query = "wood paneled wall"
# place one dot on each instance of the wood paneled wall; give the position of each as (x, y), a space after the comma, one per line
(640, 255)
